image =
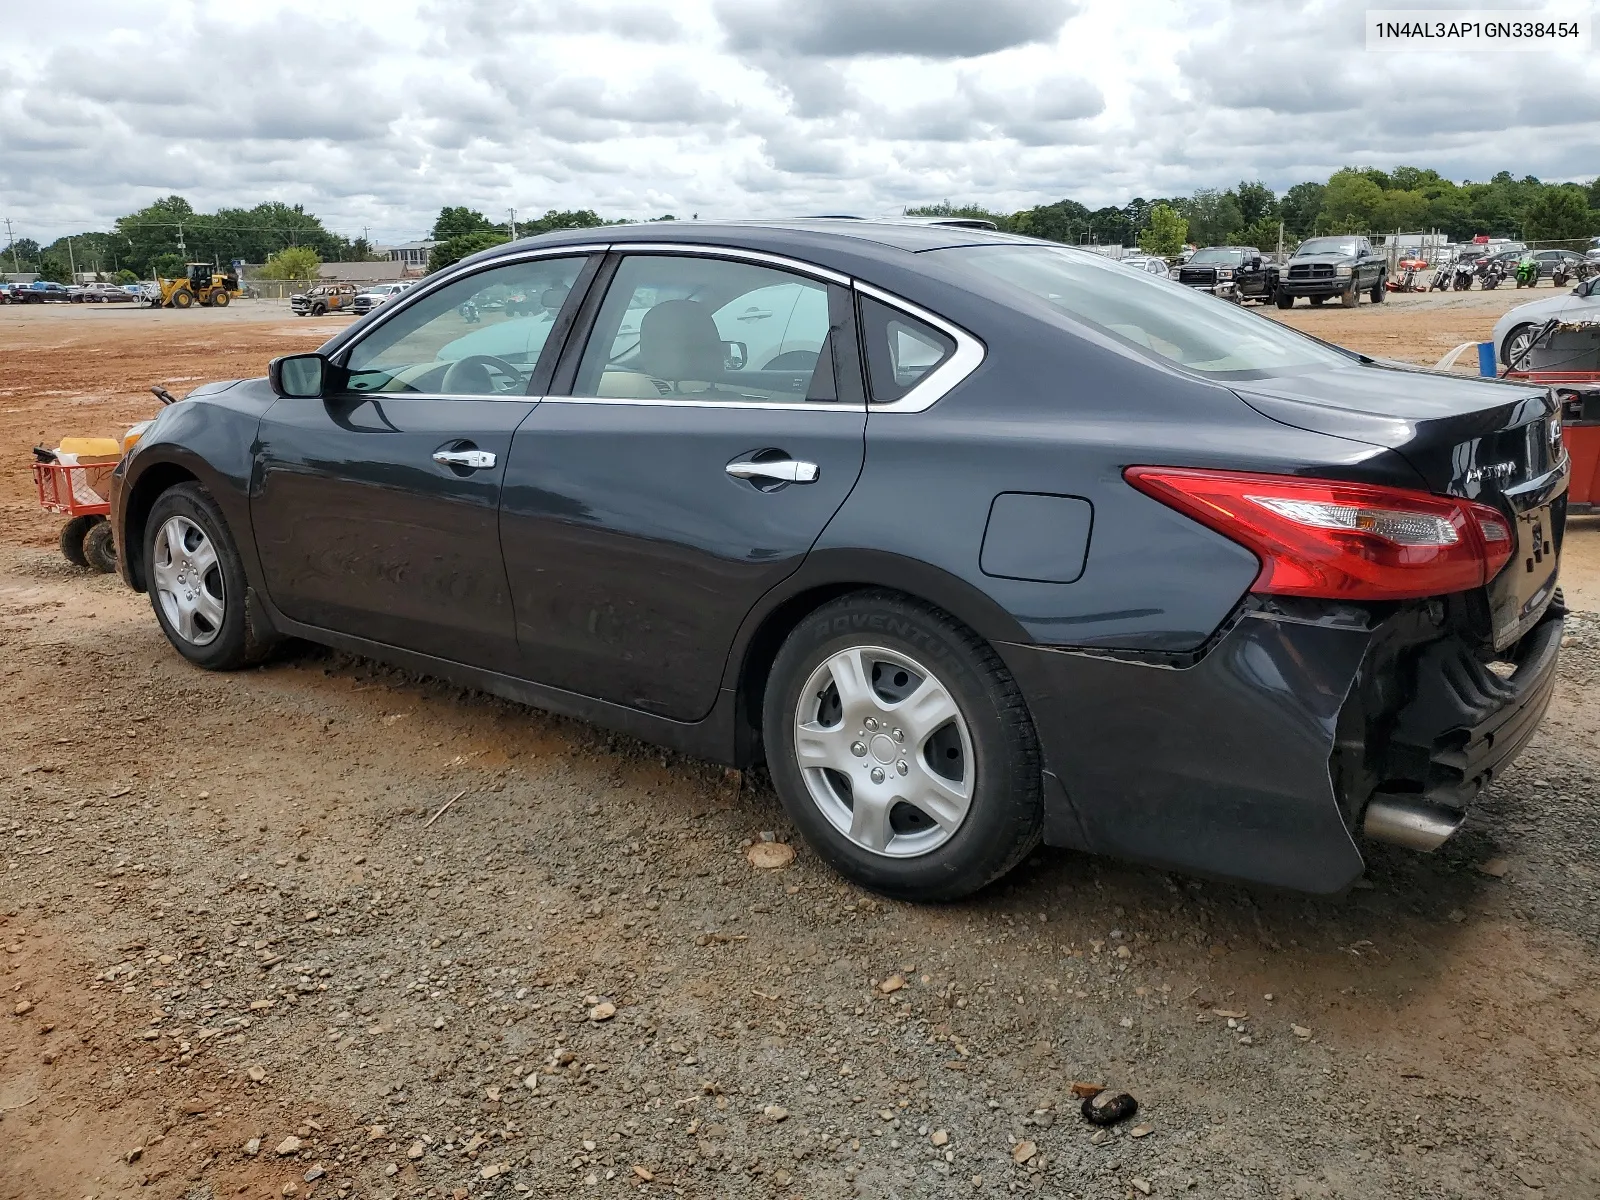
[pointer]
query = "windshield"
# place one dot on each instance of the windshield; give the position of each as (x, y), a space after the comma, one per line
(1331, 245)
(1154, 315)
(1225, 258)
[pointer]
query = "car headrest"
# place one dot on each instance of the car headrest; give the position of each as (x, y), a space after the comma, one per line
(678, 339)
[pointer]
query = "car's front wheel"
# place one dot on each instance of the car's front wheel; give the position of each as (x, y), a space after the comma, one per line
(1514, 350)
(1285, 300)
(197, 582)
(902, 748)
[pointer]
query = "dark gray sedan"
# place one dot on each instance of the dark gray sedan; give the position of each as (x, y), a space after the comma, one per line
(974, 541)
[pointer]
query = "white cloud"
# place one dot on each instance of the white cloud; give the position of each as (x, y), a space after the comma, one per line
(377, 115)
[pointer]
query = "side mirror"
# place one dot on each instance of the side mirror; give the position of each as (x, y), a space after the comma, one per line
(1587, 287)
(735, 355)
(298, 376)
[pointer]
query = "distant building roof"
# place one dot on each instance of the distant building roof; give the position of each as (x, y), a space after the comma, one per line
(360, 272)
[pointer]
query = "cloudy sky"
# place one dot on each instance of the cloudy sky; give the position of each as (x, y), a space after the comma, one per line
(374, 114)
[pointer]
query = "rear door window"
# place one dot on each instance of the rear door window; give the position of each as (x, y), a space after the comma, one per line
(902, 351)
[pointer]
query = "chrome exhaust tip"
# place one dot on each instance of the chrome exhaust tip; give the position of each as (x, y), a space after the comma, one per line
(1410, 822)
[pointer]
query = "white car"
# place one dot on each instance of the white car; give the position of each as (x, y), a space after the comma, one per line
(376, 294)
(1514, 331)
(1147, 263)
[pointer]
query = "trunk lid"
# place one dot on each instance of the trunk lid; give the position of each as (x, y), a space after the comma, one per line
(1496, 443)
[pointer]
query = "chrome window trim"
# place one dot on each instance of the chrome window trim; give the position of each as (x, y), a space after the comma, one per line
(426, 288)
(932, 388)
(498, 397)
(755, 256)
(676, 402)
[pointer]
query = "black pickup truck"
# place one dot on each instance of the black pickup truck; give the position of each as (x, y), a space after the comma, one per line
(1344, 265)
(1236, 273)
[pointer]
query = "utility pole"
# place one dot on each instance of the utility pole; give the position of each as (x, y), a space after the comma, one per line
(513, 213)
(183, 249)
(72, 261)
(16, 264)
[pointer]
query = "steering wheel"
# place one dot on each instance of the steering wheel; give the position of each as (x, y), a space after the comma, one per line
(470, 376)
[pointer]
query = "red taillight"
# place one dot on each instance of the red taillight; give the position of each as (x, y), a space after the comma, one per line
(1340, 541)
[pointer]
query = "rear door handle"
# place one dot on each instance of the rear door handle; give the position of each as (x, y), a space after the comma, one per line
(788, 470)
(473, 460)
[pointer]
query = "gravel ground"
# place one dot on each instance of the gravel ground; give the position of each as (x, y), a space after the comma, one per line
(253, 923)
(311, 930)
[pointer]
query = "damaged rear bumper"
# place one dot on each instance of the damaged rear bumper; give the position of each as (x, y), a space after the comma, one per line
(1260, 757)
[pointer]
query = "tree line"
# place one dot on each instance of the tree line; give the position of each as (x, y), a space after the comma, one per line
(159, 238)
(1353, 200)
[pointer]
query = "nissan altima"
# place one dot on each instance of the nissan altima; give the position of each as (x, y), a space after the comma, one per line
(973, 541)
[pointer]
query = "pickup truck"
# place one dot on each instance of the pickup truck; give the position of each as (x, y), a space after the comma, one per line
(40, 291)
(1344, 265)
(1235, 273)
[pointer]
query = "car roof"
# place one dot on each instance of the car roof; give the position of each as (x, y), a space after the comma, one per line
(838, 242)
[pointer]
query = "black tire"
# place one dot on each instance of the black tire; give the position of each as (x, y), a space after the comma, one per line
(319, 310)
(100, 548)
(1285, 300)
(183, 298)
(1379, 290)
(237, 640)
(1349, 298)
(1512, 334)
(1316, 301)
(219, 299)
(72, 539)
(1004, 816)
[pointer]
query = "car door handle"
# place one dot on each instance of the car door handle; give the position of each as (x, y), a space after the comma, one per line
(788, 470)
(473, 460)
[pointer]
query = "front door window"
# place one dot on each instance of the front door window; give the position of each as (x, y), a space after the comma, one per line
(478, 336)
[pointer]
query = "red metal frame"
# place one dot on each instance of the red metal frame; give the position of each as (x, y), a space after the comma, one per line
(1582, 437)
(54, 482)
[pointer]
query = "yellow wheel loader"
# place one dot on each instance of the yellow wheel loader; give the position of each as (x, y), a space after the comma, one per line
(202, 285)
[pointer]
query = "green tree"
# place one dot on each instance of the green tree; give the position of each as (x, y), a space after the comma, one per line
(1351, 202)
(166, 266)
(300, 263)
(124, 276)
(1561, 214)
(971, 211)
(577, 218)
(1166, 233)
(453, 250)
(1299, 209)
(1263, 235)
(1404, 210)
(1063, 221)
(1257, 203)
(1214, 217)
(455, 222)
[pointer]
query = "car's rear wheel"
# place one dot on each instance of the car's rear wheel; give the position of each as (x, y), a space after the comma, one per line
(1379, 290)
(197, 583)
(1514, 350)
(1316, 301)
(902, 748)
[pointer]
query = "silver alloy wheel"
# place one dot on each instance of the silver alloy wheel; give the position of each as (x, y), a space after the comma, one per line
(884, 751)
(188, 581)
(1518, 345)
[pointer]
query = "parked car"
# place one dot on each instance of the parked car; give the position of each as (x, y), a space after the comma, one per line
(324, 298)
(1513, 332)
(1550, 260)
(105, 293)
(40, 291)
(1232, 272)
(974, 540)
(1344, 265)
(375, 295)
(1148, 263)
